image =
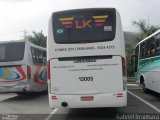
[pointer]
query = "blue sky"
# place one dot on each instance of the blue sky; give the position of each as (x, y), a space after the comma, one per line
(32, 15)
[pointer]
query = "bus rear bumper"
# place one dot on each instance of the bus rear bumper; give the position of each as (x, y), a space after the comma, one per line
(95, 100)
(9, 89)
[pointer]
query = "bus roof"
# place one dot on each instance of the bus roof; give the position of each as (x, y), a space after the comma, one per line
(22, 40)
(158, 31)
(81, 9)
(12, 41)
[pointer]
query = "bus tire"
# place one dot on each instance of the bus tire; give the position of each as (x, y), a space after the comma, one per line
(142, 83)
(144, 89)
(21, 93)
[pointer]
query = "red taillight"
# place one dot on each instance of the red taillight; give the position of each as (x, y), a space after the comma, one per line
(120, 95)
(54, 97)
(28, 72)
(124, 66)
(48, 70)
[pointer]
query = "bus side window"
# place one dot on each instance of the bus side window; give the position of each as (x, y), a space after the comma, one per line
(34, 57)
(157, 51)
(40, 56)
(37, 56)
(142, 50)
(147, 49)
(152, 47)
(136, 58)
(2, 52)
(44, 58)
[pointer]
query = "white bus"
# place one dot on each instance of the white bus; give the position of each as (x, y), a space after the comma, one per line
(147, 63)
(86, 59)
(22, 67)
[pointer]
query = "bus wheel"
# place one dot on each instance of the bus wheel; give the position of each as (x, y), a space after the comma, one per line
(144, 89)
(21, 93)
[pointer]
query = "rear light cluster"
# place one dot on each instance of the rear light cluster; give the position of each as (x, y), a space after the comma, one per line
(49, 76)
(28, 72)
(54, 97)
(48, 70)
(123, 66)
(119, 95)
(124, 73)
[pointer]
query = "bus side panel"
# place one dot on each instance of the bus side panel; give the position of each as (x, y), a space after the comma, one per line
(149, 68)
(13, 78)
(153, 80)
(39, 78)
(38, 71)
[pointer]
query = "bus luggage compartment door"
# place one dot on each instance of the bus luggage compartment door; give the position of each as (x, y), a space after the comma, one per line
(86, 75)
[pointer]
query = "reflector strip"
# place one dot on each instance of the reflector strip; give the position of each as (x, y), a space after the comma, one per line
(54, 97)
(66, 19)
(119, 96)
(101, 16)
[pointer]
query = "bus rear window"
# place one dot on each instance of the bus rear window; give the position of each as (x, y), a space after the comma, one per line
(11, 51)
(84, 26)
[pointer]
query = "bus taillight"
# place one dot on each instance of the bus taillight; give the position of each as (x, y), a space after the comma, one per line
(123, 66)
(49, 76)
(28, 72)
(48, 70)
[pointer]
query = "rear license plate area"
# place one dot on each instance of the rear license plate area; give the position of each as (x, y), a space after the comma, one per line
(87, 98)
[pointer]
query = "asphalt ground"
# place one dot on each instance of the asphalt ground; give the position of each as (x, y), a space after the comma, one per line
(35, 106)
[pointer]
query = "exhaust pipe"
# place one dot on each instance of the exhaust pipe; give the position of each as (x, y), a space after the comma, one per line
(24, 90)
(64, 104)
